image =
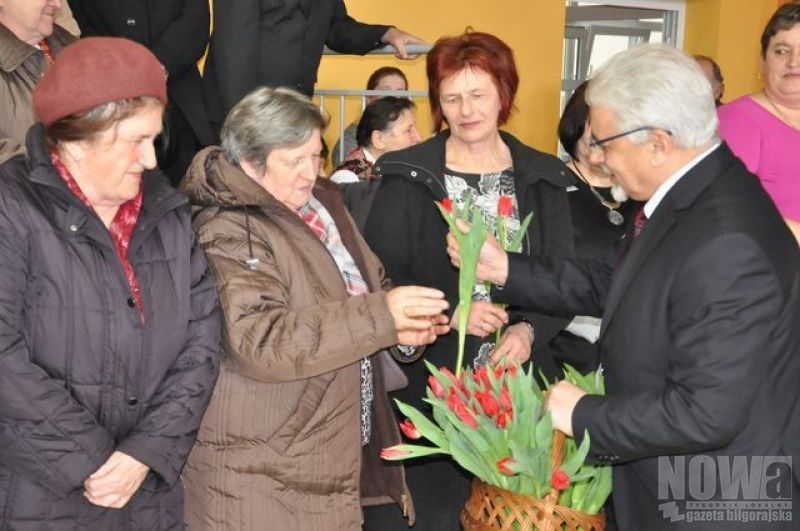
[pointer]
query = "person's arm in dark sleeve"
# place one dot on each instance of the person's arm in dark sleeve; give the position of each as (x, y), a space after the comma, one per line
(347, 35)
(235, 46)
(80, 8)
(723, 303)
(182, 44)
(558, 244)
(165, 435)
(563, 287)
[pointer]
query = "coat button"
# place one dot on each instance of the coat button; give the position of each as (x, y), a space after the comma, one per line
(132, 400)
(131, 22)
(131, 302)
(73, 228)
(413, 174)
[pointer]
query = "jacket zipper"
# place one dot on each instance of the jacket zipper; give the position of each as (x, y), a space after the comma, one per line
(444, 189)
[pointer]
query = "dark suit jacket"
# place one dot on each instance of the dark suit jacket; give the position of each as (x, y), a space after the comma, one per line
(176, 31)
(700, 339)
(277, 43)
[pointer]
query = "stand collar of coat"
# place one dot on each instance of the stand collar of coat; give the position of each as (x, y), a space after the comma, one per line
(213, 181)
(158, 196)
(425, 163)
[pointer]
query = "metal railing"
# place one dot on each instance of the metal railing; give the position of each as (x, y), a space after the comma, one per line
(343, 95)
(413, 49)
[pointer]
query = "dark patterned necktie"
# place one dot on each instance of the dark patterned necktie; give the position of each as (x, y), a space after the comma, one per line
(639, 221)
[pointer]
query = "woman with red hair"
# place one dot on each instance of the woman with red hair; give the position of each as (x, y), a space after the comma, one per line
(472, 83)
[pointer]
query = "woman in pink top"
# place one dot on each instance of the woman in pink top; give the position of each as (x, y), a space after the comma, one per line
(763, 129)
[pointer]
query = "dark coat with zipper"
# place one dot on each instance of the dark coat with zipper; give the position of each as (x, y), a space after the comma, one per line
(80, 374)
(407, 232)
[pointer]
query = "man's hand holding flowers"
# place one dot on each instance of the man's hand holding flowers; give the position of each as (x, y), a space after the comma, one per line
(492, 260)
(561, 401)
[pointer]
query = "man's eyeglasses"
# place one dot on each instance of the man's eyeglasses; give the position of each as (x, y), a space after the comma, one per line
(597, 143)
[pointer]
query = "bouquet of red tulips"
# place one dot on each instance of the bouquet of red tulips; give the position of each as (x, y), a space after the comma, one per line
(490, 421)
(470, 243)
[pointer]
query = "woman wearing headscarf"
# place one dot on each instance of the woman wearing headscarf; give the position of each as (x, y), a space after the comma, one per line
(109, 321)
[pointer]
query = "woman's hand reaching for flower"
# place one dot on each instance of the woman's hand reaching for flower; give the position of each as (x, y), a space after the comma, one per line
(417, 313)
(438, 326)
(484, 318)
(515, 345)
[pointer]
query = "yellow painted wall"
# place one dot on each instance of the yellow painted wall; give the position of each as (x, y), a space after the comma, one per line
(533, 28)
(729, 31)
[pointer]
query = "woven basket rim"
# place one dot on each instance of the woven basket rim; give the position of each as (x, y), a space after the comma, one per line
(552, 515)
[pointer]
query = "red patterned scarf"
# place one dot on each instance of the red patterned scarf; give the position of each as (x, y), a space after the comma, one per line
(121, 227)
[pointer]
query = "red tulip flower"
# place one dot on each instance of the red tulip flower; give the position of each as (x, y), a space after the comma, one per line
(481, 377)
(453, 378)
(457, 383)
(560, 480)
(409, 430)
(447, 205)
(393, 453)
(501, 421)
(488, 403)
(505, 466)
(500, 370)
(505, 206)
(461, 410)
(436, 387)
(505, 400)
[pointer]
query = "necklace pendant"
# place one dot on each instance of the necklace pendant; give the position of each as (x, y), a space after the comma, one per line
(615, 217)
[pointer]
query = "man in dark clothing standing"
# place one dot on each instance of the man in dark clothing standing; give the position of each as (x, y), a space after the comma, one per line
(700, 339)
(176, 31)
(279, 43)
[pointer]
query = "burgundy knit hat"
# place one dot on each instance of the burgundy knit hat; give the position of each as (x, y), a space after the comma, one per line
(94, 71)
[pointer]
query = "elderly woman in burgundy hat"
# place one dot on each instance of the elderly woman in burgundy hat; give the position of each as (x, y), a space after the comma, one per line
(109, 321)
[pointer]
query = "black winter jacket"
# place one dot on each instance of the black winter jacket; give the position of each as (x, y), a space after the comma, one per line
(407, 232)
(80, 375)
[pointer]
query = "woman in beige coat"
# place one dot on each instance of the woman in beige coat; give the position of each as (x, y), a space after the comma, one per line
(300, 413)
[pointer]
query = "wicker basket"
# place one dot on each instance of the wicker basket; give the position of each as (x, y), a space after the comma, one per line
(491, 508)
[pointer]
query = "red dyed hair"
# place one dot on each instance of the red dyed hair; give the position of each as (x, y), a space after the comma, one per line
(478, 50)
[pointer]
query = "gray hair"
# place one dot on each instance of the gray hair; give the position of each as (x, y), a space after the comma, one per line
(268, 119)
(657, 86)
